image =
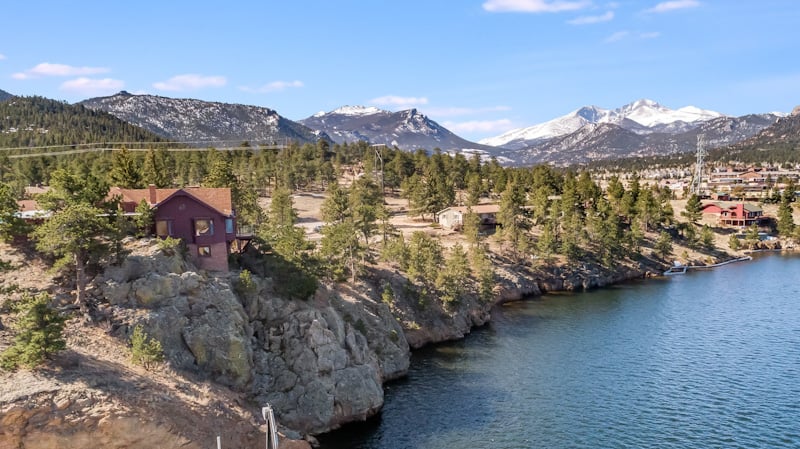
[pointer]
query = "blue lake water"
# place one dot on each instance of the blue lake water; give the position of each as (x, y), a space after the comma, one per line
(705, 360)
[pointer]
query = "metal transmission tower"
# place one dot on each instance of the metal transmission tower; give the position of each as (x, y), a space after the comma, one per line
(698, 170)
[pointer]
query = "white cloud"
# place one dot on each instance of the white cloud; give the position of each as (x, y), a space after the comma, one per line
(535, 6)
(48, 69)
(480, 126)
(393, 100)
(618, 36)
(454, 111)
(673, 5)
(2, 56)
(274, 86)
(650, 35)
(190, 81)
(587, 20)
(90, 86)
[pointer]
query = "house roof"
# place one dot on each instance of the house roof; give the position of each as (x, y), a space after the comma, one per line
(31, 209)
(751, 207)
(218, 198)
(730, 205)
(478, 209)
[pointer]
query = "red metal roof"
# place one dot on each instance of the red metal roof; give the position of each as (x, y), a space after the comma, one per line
(218, 198)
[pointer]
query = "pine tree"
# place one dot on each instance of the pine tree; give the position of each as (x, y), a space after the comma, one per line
(10, 224)
(451, 281)
(145, 217)
(76, 235)
(125, 171)
(785, 216)
(154, 169)
(734, 243)
(707, 237)
(664, 244)
(693, 210)
(145, 350)
(39, 334)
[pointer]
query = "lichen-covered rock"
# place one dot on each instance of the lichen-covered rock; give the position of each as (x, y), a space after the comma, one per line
(315, 369)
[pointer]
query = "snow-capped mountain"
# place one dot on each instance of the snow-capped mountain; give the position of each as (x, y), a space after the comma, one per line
(599, 141)
(641, 117)
(190, 120)
(408, 130)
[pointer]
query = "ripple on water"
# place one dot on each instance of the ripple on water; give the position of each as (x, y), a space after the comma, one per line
(705, 360)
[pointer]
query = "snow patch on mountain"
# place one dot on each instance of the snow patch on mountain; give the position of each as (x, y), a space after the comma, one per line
(637, 117)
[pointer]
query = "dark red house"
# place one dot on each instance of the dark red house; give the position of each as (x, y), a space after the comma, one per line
(202, 217)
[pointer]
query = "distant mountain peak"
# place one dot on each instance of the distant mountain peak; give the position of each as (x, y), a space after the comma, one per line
(192, 120)
(354, 110)
(641, 116)
(407, 129)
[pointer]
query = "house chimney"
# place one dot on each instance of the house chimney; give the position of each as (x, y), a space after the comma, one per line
(152, 189)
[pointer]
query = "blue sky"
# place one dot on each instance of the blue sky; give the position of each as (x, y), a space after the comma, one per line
(479, 67)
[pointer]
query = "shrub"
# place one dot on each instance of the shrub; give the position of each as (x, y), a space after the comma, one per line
(388, 294)
(40, 330)
(171, 246)
(245, 285)
(145, 350)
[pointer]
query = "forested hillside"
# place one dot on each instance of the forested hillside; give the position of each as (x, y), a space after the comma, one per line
(4, 95)
(38, 121)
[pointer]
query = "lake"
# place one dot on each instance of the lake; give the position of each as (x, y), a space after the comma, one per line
(710, 359)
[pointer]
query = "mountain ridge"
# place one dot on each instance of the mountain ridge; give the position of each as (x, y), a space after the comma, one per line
(199, 121)
(409, 129)
(641, 116)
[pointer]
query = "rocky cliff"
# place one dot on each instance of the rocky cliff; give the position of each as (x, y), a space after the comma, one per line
(231, 348)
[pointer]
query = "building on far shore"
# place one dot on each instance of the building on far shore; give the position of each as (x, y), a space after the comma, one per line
(734, 214)
(453, 217)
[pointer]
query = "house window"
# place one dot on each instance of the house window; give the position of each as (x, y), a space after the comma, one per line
(204, 251)
(203, 226)
(163, 228)
(229, 225)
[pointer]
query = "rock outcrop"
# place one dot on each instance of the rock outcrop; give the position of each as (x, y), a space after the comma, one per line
(320, 363)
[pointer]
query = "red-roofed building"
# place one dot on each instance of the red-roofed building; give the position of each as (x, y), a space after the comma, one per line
(734, 214)
(202, 217)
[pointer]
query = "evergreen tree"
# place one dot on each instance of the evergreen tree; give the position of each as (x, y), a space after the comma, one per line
(144, 219)
(734, 243)
(452, 280)
(707, 237)
(39, 334)
(341, 250)
(425, 257)
(694, 209)
(336, 207)
(154, 169)
(510, 217)
(281, 210)
(76, 235)
(125, 171)
(70, 188)
(366, 204)
(664, 244)
(751, 236)
(10, 224)
(785, 215)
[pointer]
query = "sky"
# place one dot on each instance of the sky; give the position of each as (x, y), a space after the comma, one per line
(478, 67)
